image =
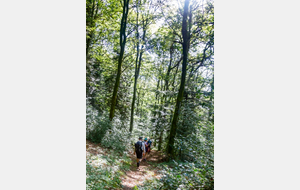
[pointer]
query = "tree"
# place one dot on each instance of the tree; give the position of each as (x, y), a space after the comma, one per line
(185, 49)
(120, 60)
(163, 53)
(138, 60)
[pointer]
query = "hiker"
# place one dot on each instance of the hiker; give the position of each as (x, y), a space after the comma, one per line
(146, 146)
(149, 145)
(140, 150)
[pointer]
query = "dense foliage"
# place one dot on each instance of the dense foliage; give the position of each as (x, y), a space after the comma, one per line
(150, 73)
(103, 171)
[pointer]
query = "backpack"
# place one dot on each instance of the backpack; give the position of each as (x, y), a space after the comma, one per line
(138, 147)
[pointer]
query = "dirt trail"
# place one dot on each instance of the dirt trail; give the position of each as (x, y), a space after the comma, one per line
(132, 177)
(146, 170)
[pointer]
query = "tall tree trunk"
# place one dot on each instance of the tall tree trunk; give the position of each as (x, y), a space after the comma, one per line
(136, 67)
(171, 98)
(122, 45)
(155, 112)
(170, 146)
(211, 108)
(160, 139)
(159, 124)
(173, 84)
(164, 98)
(89, 36)
(137, 72)
(92, 15)
(138, 101)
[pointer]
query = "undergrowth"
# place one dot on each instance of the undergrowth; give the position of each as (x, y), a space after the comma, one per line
(179, 176)
(103, 171)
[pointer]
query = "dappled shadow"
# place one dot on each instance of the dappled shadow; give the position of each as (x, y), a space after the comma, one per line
(126, 187)
(135, 177)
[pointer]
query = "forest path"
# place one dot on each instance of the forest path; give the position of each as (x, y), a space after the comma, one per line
(146, 170)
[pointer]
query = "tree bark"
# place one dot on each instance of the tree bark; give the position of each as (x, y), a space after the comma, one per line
(185, 34)
(164, 98)
(136, 68)
(154, 115)
(92, 14)
(211, 108)
(137, 71)
(160, 139)
(159, 124)
(120, 60)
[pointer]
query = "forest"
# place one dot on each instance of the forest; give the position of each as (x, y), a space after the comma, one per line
(150, 74)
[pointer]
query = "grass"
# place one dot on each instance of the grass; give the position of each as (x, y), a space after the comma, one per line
(104, 168)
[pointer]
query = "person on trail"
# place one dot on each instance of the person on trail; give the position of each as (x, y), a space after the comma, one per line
(149, 145)
(146, 146)
(140, 150)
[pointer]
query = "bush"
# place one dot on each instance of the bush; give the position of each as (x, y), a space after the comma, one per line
(117, 139)
(99, 129)
(103, 171)
(96, 125)
(180, 176)
(196, 168)
(98, 178)
(186, 176)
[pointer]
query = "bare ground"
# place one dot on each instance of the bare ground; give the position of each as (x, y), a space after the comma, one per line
(146, 170)
(132, 177)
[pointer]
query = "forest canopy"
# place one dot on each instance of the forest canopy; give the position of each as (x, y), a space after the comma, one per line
(150, 73)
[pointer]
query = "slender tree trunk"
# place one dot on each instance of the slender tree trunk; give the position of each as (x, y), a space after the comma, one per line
(173, 84)
(137, 72)
(92, 14)
(155, 112)
(136, 67)
(211, 108)
(160, 140)
(169, 68)
(141, 111)
(89, 36)
(122, 45)
(170, 147)
(159, 124)
(164, 98)
(171, 98)
(138, 101)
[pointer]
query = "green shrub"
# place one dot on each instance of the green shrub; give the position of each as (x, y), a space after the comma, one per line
(195, 170)
(103, 171)
(99, 178)
(185, 176)
(99, 129)
(96, 125)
